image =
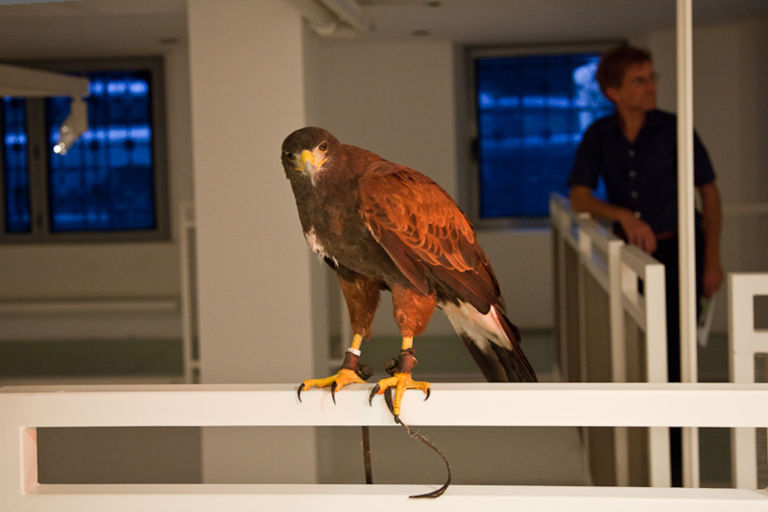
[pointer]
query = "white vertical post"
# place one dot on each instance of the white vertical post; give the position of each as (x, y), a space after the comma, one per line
(686, 228)
(186, 224)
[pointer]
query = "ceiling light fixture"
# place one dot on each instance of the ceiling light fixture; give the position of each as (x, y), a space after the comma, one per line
(73, 126)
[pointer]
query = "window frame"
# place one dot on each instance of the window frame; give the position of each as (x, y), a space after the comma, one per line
(472, 178)
(37, 158)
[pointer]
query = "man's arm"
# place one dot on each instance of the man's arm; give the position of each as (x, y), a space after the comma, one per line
(638, 232)
(711, 221)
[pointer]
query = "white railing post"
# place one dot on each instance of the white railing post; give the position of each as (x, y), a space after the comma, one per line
(649, 311)
(188, 290)
(685, 209)
(656, 367)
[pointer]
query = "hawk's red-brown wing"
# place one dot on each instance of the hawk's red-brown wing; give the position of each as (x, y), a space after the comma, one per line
(426, 234)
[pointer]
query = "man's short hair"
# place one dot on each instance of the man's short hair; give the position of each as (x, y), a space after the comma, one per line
(614, 63)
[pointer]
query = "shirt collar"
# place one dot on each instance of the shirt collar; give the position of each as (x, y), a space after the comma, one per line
(613, 126)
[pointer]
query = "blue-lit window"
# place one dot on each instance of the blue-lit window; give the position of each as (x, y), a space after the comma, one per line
(106, 180)
(110, 184)
(15, 165)
(531, 114)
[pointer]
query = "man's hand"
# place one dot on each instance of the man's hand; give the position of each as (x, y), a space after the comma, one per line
(711, 214)
(638, 232)
(712, 278)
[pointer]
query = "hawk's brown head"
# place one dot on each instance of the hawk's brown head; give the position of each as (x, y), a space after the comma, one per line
(310, 151)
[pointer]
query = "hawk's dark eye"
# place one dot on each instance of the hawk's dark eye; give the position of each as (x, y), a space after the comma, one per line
(324, 146)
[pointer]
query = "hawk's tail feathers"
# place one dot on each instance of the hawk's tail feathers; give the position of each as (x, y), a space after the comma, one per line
(522, 367)
(494, 343)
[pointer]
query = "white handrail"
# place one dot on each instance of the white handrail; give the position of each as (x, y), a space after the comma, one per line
(450, 404)
(26, 408)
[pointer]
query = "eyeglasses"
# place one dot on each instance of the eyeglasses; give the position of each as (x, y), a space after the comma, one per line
(642, 81)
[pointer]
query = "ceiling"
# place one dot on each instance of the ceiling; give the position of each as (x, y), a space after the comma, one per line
(121, 27)
(535, 21)
(90, 28)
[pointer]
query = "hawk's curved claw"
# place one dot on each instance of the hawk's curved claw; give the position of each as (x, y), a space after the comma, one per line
(373, 393)
(429, 392)
(298, 391)
(337, 381)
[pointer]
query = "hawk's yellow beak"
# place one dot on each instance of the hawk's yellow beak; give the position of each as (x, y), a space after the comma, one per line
(307, 157)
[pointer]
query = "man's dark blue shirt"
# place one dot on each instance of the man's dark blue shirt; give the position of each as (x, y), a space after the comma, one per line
(639, 176)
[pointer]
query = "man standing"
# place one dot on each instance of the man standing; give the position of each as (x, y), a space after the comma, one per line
(635, 152)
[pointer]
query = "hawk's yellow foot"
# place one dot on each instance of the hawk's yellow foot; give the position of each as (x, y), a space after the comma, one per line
(401, 382)
(336, 382)
(349, 373)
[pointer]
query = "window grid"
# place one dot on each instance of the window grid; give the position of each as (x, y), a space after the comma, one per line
(105, 181)
(112, 185)
(15, 165)
(531, 114)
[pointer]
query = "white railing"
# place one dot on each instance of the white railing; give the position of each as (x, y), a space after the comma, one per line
(581, 244)
(745, 342)
(651, 405)
(90, 305)
(188, 278)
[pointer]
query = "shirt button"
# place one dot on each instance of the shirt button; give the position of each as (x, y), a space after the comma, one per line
(631, 152)
(634, 194)
(637, 214)
(632, 173)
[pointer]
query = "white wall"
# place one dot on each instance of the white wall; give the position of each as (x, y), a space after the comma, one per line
(247, 88)
(105, 270)
(398, 99)
(730, 112)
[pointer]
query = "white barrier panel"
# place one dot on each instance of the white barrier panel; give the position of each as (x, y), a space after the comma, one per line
(745, 341)
(25, 408)
(617, 268)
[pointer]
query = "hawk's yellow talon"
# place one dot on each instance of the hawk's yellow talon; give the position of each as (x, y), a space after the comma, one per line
(401, 382)
(336, 382)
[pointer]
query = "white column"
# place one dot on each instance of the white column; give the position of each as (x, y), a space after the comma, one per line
(685, 200)
(247, 89)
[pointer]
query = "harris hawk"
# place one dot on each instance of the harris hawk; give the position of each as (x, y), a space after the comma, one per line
(383, 226)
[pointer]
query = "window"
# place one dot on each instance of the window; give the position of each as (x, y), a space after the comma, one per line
(111, 184)
(15, 166)
(531, 111)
